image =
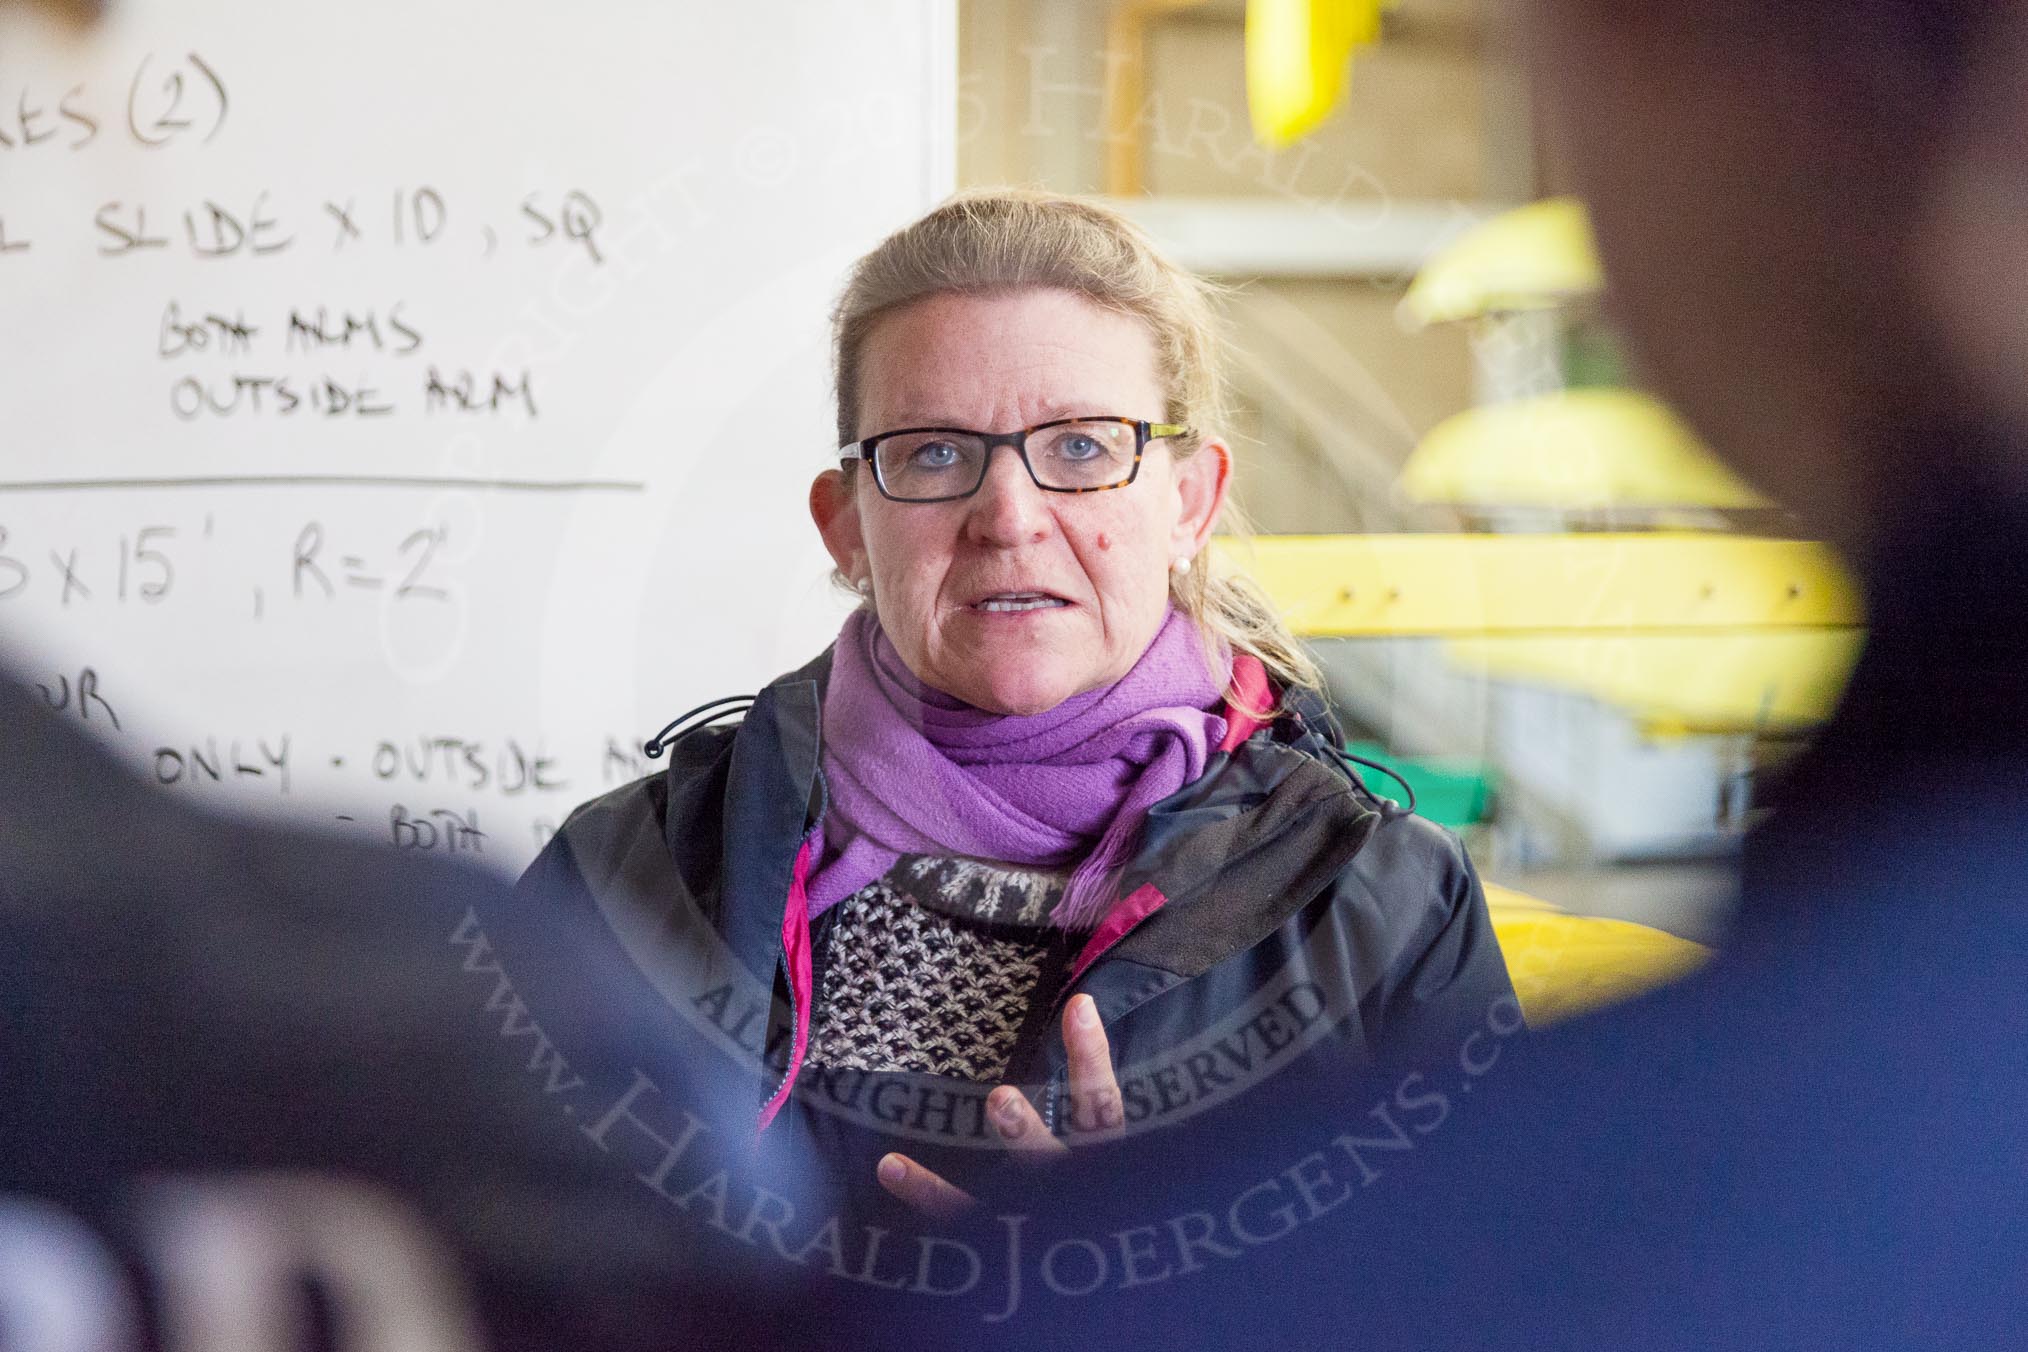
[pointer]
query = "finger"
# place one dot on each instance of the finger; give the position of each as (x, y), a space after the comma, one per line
(924, 1189)
(1020, 1126)
(1094, 1093)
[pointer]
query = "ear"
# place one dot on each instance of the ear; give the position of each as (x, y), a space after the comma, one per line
(834, 506)
(1202, 481)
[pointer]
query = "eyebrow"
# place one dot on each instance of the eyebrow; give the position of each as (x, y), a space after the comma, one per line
(1079, 409)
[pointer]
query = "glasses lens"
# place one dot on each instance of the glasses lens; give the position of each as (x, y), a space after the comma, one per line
(926, 465)
(1082, 454)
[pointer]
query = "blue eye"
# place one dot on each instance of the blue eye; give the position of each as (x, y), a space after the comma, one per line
(1081, 447)
(934, 455)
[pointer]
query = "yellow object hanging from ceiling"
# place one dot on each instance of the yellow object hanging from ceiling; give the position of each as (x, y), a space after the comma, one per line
(1536, 257)
(1297, 54)
(1571, 450)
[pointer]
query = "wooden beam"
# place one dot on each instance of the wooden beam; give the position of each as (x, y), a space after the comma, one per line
(1474, 585)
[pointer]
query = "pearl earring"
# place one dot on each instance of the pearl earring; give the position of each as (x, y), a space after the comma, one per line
(1180, 567)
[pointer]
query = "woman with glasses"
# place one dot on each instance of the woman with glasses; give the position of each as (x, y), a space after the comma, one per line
(1055, 838)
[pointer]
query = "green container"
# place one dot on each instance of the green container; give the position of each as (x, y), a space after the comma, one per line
(1453, 791)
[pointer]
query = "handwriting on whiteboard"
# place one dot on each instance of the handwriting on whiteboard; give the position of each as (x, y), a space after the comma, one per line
(407, 217)
(160, 562)
(421, 791)
(184, 98)
(167, 100)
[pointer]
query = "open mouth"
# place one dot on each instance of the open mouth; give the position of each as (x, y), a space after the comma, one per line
(1008, 603)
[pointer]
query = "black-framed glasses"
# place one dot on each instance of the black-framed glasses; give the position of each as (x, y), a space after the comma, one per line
(1067, 455)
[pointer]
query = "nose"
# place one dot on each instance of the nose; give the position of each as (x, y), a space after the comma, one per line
(1008, 510)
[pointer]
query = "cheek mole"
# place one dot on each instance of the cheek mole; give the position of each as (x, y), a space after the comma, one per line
(1104, 542)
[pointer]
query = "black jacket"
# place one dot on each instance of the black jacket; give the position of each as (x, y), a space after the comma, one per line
(1297, 914)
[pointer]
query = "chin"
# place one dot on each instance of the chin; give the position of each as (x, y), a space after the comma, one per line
(1019, 694)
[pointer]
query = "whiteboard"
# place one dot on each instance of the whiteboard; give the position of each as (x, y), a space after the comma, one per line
(409, 406)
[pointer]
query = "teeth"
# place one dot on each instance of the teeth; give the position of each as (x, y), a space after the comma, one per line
(1003, 605)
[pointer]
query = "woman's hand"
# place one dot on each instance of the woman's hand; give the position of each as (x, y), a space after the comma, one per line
(1093, 1105)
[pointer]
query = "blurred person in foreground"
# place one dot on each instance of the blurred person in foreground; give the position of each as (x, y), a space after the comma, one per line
(1815, 223)
(1814, 218)
(266, 1088)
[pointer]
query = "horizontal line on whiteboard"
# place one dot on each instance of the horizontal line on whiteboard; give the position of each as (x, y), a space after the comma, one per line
(325, 481)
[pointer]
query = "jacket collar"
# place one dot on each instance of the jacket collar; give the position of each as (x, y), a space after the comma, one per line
(771, 802)
(1239, 852)
(1234, 855)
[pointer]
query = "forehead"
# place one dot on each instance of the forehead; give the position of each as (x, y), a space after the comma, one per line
(1005, 359)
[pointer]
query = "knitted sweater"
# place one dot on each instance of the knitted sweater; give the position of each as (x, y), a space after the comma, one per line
(943, 966)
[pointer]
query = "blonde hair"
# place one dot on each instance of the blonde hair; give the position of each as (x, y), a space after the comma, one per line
(1014, 239)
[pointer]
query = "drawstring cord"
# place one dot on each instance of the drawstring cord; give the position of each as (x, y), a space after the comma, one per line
(1332, 735)
(1394, 775)
(663, 740)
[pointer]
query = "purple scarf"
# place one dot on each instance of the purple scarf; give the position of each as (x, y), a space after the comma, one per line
(913, 771)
